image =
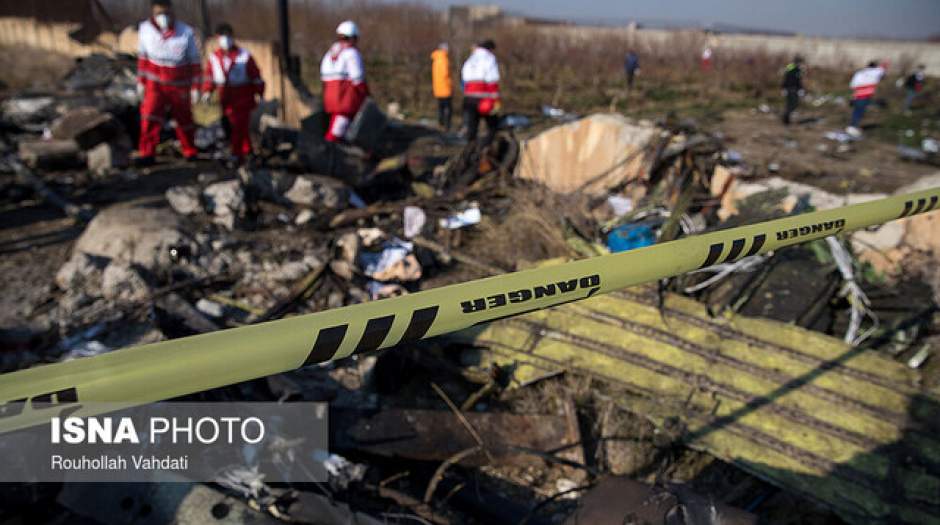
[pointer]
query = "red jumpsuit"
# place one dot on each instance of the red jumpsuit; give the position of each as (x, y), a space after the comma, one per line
(344, 87)
(168, 68)
(235, 74)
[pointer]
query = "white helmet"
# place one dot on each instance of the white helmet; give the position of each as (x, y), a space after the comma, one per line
(349, 29)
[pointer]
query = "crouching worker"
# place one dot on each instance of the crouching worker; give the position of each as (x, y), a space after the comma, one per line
(480, 77)
(167, 79)
(344, 81)
(233, 72)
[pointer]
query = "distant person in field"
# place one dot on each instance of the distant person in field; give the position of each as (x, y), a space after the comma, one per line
(864, 83)
(442, 85)
(344, 81)
(792, 87)
(913, 85)
(232, 72)
(631, 66)
(168, 76)
(707, 56)
(480, 78)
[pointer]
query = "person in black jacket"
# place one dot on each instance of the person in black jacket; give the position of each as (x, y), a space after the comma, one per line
(631, 65)
(792, 87)
(914, 84)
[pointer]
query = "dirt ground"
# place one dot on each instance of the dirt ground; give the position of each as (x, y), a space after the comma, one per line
(803, 154)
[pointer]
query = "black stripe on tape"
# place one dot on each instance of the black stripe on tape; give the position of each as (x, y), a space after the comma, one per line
(737, 246)
(421, 321)
(328, 341)
(920, 206)
(759, 241)
(69, 395)
(714, 252)
(376, 331)
(907, 208)
(933, 203)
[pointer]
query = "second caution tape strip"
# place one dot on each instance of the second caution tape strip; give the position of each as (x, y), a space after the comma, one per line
(169, 369)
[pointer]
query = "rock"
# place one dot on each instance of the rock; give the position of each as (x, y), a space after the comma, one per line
(95, 71)
(267, 184)
(107, 156)
(50, 154)
(318, 192)
(304, 217)
(886, 237)
(138, 233)
(342, 269)
(226, 201)
(597, 152)
(886, 263)
(348, 244)
(87, 126)
(29, 111)
(81, 271)
(294, 270)
(806, 195)
(924, 183)
(184, 199)
(210, 308)
(121, 282)
(934, 281)
(922, 232)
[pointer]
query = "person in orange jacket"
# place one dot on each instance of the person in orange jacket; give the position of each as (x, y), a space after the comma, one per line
(233, 72)
(441, 84)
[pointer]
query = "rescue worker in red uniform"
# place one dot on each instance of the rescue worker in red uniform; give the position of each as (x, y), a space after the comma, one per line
(233, 72)
(168, 75)
(481, 100)
(344, 81)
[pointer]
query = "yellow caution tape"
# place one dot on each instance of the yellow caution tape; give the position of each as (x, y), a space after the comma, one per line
(168, 369)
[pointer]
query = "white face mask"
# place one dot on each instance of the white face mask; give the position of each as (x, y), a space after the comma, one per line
(225, 42)
(163, 20)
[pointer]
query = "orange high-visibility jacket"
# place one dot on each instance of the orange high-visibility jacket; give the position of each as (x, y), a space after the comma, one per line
(440, 74)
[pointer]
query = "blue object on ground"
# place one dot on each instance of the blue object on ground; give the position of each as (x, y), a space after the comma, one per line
(630, 237)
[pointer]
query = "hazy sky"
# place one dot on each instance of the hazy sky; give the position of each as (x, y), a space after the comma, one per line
(892, 18)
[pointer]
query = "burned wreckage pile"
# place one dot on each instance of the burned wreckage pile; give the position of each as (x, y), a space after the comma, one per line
(796, 386)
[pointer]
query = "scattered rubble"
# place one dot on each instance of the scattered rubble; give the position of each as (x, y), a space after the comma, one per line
(51, 154)
(700, 396)
(122, 282)
(226, 202)
(184, 200)
(318, 193)
(142, 233)
(87, 126)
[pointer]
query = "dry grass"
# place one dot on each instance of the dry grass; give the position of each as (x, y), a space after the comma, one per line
(575, 68)
(529, 226)
(28, 68)
(578, 69)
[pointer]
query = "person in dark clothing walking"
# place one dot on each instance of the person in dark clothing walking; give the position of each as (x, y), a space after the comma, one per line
(792, 87)
(914, 84)
(631, 65)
